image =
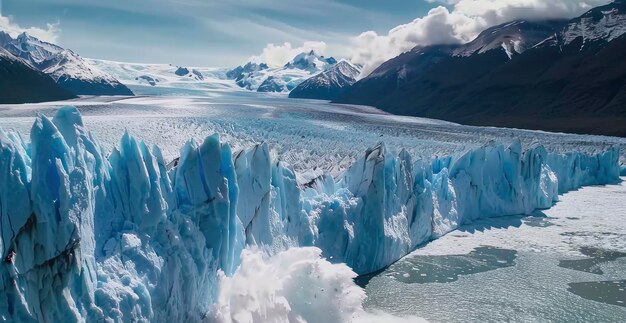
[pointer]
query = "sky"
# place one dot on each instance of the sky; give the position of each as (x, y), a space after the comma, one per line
(205, 32)
(230, 32)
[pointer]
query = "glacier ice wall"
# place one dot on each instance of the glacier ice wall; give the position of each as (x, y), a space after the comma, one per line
(123, 238)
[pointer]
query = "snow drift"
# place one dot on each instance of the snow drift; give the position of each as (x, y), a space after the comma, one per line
(86, 237)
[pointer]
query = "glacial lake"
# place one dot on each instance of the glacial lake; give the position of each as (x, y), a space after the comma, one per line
(565, 264)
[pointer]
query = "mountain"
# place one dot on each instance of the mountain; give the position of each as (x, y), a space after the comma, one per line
(77, 75)
(193, 73)
(68, 69)
(247, 68)
(22, 83)
(310, 61)
(273, 84)
(566, 76)
(329, 84)
(604, 24)
(262, 78)
(28, 48)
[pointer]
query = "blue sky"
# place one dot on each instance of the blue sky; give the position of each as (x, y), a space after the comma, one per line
(224, 33)
(207, 32)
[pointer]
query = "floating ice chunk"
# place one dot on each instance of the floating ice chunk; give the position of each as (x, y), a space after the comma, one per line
(296, 285)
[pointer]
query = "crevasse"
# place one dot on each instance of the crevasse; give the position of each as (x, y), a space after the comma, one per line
(123, 238)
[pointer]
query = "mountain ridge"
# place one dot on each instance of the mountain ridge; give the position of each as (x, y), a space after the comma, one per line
(328, 84)
(22, 83)
(67, 68)
(259, 77)
(573, 80)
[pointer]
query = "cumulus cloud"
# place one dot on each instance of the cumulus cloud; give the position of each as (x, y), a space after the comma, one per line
(279, 55)
(459, 23)
(49, 34)
(439, 26)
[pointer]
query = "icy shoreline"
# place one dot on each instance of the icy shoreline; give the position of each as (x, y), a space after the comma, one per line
(85, 237)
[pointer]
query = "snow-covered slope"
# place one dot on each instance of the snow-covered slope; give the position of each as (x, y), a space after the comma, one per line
(604, 23)
(513, 37)
(77, 75)
(261, 78)
(20, 82)
(29, 48)
(328, 84)
(245, 69)
(311, 61)
(163, 79)
(124, 238)
(67, 68)
(193, 73)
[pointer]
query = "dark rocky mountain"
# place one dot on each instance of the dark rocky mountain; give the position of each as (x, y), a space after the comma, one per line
(329, 84)
(193, 73)
(558, 76)
(272, 84)
(150, 80)
(65, 67)
(181, 71)
(22, 83)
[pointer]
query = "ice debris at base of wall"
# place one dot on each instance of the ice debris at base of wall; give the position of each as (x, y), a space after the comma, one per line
(122, 238)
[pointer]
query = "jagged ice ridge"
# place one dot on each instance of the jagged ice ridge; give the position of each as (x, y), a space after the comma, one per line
(86, 237)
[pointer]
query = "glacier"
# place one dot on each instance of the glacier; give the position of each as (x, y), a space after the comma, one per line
(125, 237)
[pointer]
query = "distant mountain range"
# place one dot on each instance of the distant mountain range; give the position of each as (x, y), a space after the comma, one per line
(64, 67)
(168, 79)
(262, 78)
(567, 76)
(554, 75)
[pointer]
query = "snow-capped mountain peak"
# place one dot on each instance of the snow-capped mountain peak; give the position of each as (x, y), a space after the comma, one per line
(260, 77)
(64, 66)
(21, 82)
(346, 68)
(32, 49)
(4, 54)
(604, 23)
(328, 84)
(249, 67)
(310, 61)
(67, 64)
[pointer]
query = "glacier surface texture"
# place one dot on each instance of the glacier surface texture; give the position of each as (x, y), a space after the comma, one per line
(127, 238)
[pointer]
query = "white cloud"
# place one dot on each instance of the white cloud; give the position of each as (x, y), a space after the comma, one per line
(439, 26)
(49, 34)
(499, 11)
(279, 55)
(460, 24)
(446, 2)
